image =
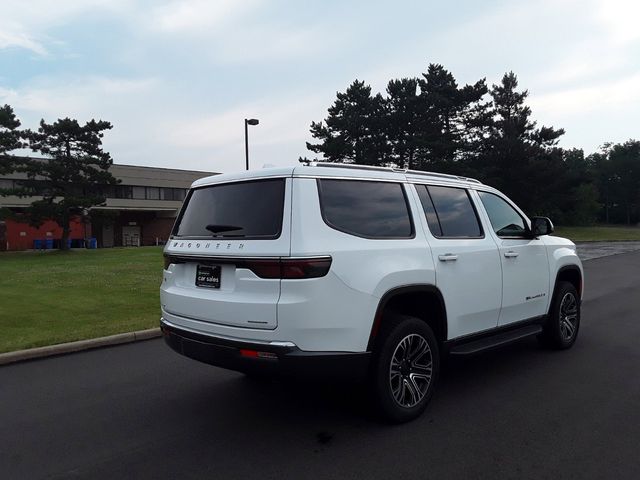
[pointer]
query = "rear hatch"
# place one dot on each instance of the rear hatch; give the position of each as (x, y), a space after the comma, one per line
(221, 263)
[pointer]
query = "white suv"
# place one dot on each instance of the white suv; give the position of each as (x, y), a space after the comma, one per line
(365, 272)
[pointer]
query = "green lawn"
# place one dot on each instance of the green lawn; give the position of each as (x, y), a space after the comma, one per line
(55, 297)
(599, 233)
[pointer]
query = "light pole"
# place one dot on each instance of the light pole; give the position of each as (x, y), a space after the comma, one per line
(247, 122)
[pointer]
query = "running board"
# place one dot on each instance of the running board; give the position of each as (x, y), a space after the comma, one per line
(496, 340)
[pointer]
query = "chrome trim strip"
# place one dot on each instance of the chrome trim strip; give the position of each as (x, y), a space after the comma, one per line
(227, 338)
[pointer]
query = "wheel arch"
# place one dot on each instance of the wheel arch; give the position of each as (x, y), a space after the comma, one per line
(571, 274)
(418, 300)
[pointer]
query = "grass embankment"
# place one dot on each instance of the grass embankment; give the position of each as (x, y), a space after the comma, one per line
(55, 297)
(599, 233)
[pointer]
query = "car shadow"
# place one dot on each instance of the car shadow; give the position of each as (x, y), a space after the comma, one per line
(265, 404)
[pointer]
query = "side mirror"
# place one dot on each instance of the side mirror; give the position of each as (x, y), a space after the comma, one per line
(541, 226)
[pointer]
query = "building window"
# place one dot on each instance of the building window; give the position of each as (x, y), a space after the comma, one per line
(166, 194)
(179, 194)
(139, 193)
(136, 192)
(124, 191)
(153, 193)
(5, 183)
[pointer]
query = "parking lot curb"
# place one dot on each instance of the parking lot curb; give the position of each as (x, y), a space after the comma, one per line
(62, 348)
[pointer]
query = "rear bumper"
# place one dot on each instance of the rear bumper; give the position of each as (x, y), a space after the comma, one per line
(277, 358)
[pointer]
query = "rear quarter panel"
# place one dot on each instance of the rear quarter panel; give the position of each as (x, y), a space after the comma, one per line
(339, 310)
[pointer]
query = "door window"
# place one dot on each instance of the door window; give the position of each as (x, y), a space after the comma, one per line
(505, 220)
(449, 212)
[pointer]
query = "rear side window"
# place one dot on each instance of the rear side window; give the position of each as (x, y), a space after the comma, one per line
(365, 208)
(251, 210)
(449, 212)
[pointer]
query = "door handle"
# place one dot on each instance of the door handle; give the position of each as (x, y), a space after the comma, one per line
(448, 257)
(511, 254)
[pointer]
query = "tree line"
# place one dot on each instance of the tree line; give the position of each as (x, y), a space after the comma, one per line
(69, 183)
(432, 123)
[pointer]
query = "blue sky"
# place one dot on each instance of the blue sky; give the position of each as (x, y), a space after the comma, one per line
(177, 78)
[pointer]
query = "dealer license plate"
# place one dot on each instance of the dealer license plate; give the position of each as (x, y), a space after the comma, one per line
(208, 276)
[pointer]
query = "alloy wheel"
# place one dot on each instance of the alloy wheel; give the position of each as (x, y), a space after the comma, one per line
(411, 370)
(568, 316)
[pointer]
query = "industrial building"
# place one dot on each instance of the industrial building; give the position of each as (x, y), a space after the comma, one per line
(139, 211)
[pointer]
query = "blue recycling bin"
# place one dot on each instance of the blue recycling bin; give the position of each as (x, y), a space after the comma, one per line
(48, 243)
(37, 244)
(93, 243)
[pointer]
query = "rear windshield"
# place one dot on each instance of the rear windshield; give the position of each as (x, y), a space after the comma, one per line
(234, 210)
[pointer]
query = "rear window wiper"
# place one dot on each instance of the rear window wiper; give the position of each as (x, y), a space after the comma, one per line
(222, 228)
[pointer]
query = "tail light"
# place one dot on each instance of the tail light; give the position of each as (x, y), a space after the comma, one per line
(285, 268)
(294, 268)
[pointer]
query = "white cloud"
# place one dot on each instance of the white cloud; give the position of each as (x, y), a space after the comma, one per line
(608, 96)
(83, 97)
(284, 119)
(272, 62)
(620, 19)
(153, 127)
(12, 36)
(196, 16)
(22, 23)
(263, 44)
(235, 32)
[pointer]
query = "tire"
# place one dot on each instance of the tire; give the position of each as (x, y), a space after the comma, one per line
(563, 323)
(405, 369)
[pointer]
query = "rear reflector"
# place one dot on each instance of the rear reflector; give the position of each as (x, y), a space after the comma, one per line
(256, 354)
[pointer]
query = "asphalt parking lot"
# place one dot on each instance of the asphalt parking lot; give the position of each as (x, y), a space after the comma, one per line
(142, 411)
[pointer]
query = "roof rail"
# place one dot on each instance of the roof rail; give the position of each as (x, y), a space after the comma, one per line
(443, 175)
(354, 166)
(393, 169)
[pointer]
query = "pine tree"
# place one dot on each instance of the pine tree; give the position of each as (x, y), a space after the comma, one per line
(353, 132)
(519, 158)
(404, 120)
(10, 137)
(452, 118)
(70, 177)
(624, 160)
